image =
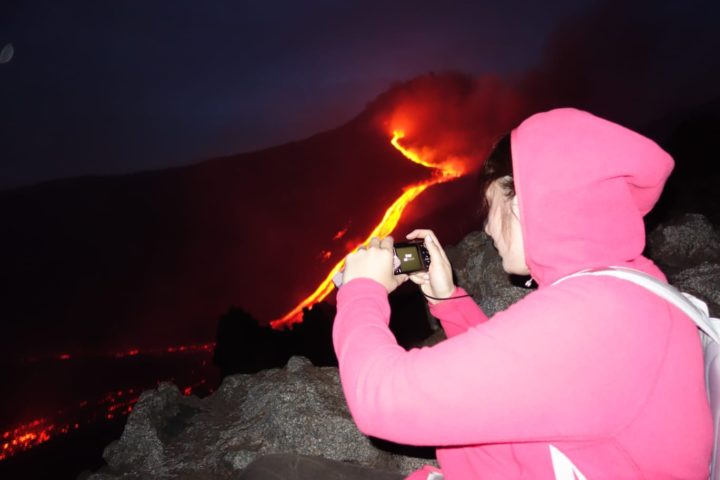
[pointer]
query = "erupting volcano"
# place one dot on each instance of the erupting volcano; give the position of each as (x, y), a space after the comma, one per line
(155, 258)
(118, 402)
(441, 172)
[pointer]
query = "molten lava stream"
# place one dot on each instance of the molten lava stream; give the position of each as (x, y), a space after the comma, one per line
(105, 407)
(441, 173)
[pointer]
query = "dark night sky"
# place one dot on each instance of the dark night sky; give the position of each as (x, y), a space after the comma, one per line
(112, 87)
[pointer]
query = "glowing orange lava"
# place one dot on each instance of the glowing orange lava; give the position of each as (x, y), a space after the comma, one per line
(113, 404)
(340, 234)
(443, 172)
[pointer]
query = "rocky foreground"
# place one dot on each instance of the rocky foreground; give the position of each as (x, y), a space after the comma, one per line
(300, 408)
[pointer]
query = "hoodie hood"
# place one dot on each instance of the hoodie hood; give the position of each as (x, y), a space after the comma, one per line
(584, 185)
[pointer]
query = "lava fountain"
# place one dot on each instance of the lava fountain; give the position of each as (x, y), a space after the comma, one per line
(442, 172)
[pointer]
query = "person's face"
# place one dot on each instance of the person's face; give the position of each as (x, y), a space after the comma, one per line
(503, 226)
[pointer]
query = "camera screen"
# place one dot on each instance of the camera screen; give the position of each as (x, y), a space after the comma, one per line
(410, 260)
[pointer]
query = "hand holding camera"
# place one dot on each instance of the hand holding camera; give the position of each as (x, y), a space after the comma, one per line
(437, 282)
(421, 259)
(411, 257)
(375, 261)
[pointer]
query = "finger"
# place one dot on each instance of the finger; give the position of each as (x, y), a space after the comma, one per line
(429, 236)
(423, 233)
(434, 247)
(387, 243)
(417, 233)
(420, 277)
(374, 242)
(402, 278)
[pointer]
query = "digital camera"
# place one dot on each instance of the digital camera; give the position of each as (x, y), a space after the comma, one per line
(413, 255)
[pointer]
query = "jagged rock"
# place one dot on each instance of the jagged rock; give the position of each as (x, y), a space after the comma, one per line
(478, 269)
(299, 408)
(687, 248)
(684, 242)
(703, 281)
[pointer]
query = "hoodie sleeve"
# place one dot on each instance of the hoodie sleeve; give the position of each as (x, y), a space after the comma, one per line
(508, 379)
(458, 314)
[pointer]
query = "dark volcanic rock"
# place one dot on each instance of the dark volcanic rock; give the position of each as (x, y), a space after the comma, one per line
(299, 409)
(703, 281)
(688, 251)
(684, 242)
(478, 269)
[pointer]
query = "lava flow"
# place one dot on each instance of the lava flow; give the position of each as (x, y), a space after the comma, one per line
(105, 407)
(442, 172)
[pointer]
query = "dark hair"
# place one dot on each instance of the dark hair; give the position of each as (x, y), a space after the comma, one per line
(498, 164)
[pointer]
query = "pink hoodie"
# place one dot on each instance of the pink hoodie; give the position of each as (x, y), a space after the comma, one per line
(602, 369)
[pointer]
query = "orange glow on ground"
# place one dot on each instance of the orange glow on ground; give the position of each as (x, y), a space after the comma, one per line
(340, 234)
(442, 172)
(117, 403)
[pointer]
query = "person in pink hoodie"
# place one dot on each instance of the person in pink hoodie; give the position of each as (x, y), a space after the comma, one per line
(591, 378)
(594, 373)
